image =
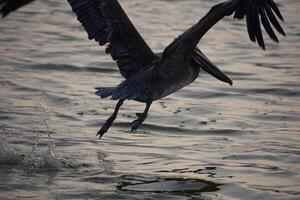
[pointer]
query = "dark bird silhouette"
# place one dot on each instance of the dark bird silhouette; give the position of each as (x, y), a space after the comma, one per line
(7, 6)
(149, 76)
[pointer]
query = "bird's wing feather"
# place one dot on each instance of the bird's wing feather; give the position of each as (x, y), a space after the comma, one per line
(254, 10)
(7, 6)
(106, 22)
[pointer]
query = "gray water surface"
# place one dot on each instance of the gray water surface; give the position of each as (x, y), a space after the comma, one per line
(207, 141)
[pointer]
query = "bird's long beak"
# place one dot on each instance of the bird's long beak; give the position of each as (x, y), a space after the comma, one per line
(209, 67)
(217, 73)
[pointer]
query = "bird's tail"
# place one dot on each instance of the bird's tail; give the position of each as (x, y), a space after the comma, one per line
(104, 92)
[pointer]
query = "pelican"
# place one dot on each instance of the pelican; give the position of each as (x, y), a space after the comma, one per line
(7, 6)
(149, 76)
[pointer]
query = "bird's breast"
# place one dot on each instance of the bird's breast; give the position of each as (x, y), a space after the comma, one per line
(164, 86)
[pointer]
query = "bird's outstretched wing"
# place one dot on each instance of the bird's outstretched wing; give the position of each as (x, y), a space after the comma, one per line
(255, 11)
(106, 22)
(7, 6)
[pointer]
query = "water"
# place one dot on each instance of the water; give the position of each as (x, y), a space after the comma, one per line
(207, 141)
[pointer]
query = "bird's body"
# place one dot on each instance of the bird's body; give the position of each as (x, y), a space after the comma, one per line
(149, 84)
(163, 86)
(149, 76)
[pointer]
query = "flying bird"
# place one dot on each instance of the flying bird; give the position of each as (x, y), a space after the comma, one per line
(7, 6)
(149, 76)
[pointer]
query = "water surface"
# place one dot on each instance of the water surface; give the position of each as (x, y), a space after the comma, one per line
(207, 141)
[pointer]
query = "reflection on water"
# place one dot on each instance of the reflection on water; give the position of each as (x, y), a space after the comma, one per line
(207, 141)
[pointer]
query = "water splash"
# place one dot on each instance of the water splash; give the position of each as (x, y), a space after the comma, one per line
(34, 161)
(46, 160)
(37, 159)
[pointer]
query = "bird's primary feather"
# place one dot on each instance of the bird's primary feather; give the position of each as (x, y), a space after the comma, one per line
(106, 22)
(7, 6)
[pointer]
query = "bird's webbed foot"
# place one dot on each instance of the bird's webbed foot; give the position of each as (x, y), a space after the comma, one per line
(136, 123)
(106, 126)
(141, 117)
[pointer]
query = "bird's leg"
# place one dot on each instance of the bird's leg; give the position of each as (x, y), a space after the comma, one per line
(141, 117)
(110, 120)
